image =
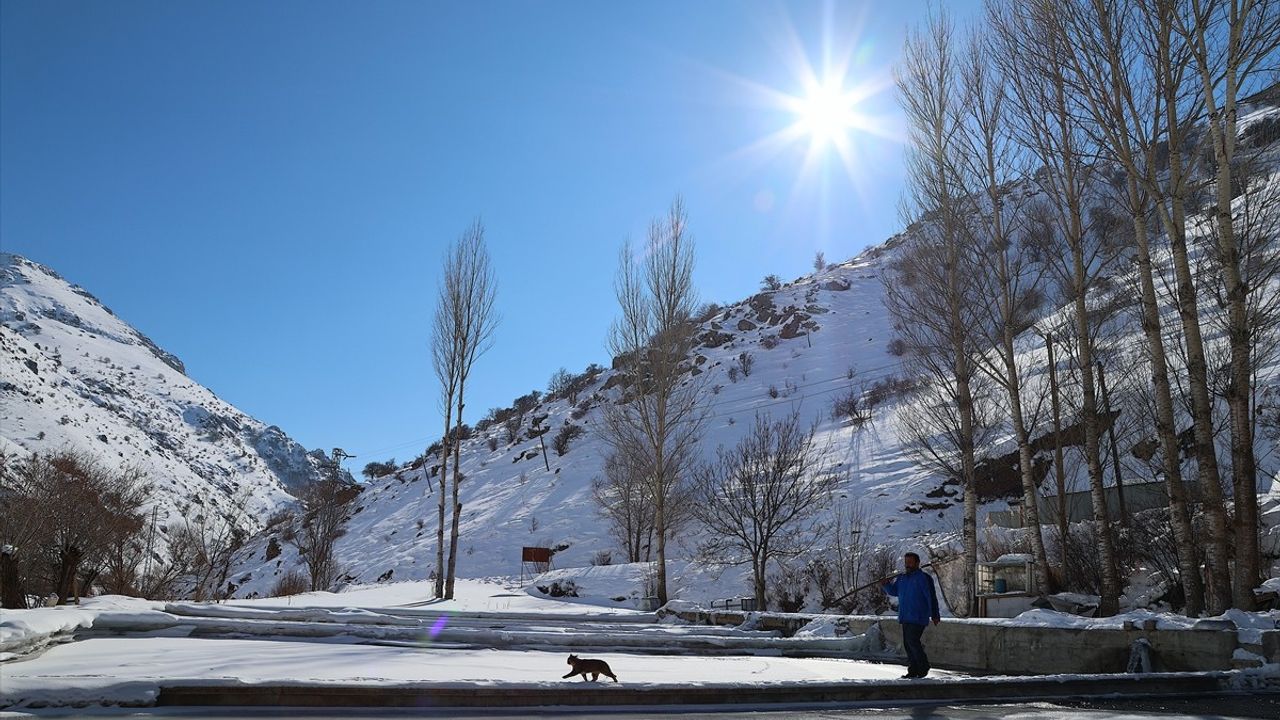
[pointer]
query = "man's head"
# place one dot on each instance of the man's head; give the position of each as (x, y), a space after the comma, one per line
(911, 560)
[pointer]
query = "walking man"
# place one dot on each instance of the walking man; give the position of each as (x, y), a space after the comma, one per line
(917, 605)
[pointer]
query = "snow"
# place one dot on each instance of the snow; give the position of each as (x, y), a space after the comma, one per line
(78, 377)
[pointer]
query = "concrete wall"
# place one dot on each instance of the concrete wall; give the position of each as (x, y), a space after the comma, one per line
(1005, 650)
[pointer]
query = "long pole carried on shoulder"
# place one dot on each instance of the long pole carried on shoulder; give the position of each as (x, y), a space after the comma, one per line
(877, 581)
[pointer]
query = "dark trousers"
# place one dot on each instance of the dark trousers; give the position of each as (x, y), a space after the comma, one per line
(917, 661)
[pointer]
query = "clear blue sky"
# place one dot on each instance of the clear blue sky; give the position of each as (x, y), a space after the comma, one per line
(266, 188)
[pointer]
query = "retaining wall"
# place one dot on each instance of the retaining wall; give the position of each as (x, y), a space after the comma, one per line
(975, 646)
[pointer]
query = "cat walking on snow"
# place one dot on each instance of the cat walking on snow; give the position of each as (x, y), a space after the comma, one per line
(586, 666)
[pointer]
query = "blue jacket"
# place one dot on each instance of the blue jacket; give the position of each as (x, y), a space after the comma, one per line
(917, 599)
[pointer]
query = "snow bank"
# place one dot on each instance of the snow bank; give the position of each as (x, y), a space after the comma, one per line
(22, 631)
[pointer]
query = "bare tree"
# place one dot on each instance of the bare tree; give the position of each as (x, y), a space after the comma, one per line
(1033, 55)
(1116, 88)
(760, 499)
(1230, 40)
(462, 331)
(474, 284)
(621, 495)
(79, 509)
(659, 419)
(210, 542)
(322, 523)
(1009, 291)
(446, 357)
(930, 288)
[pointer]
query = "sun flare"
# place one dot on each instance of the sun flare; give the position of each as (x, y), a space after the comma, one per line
(826, 114)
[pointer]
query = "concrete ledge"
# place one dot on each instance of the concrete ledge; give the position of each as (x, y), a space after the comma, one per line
(880, 693)
(1013, 650)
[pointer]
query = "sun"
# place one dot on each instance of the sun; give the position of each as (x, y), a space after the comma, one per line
(826, 114)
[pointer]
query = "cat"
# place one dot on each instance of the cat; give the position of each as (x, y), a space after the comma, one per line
(594, 668)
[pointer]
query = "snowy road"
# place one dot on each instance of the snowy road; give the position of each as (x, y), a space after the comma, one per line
(1234, 708)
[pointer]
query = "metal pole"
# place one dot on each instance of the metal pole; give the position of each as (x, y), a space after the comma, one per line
(1115, 448)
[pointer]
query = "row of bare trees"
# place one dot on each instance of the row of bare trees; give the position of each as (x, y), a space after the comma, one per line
(1054, 147)
(69, 525)
(462, 330)
(757, 500)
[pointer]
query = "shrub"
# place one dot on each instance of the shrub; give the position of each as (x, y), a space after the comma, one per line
(771, 282)
(566, 434)
(706, 312)
(511, 429)
(559, 383)
(581, 409)
(602, 557)
(460, 432)
(745, 362)
(525, 403)
(890, 387)
(851, 406)
(897, 347)
(492, 442)
(293, 582)
(769, 342)
(378, 469)
(819, 261)
(733, 373)
(773, 391)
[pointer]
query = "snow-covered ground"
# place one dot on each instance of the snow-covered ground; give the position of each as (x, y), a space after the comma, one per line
(383, 635)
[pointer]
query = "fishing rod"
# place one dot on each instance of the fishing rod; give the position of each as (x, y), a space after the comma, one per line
(877, 581)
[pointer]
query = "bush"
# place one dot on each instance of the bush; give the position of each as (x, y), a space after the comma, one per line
(566, 434)
(559, 383)
(378, 469)
(491, 442)
(745, 361)
(733, 373)
(897, 347)
(293, 582)
(580, 409)
(890, 387)
(511, 429)
(706, 313)
(769, 342)
(852, 406)
(602, 557)
(771, 282)
(525, 403)
(773, 391)
(819, 261)
(460, 432)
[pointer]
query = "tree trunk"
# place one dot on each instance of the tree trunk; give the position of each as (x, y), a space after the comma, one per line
(1059, 471)
(1110, 603)
(1166, 429)
(444, 475)
(1222, 132)
(12, 595)
(457, 507)
(1174, 220)
(68, 566)
(1031, 510)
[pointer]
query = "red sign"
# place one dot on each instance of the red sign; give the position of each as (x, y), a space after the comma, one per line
(535, 554)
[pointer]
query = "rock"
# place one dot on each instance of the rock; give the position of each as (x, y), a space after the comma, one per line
(746, 325)
(713, 339)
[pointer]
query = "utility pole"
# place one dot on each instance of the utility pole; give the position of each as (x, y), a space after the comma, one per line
(1115, 449)
(335, 466)
(1059, 473)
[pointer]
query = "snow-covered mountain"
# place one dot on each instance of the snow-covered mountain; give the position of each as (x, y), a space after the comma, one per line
(75, 376)
(811, 340)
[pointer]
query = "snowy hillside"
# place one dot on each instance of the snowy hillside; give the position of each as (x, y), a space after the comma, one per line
(805, 339)
(811, 341)
(77, 377)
